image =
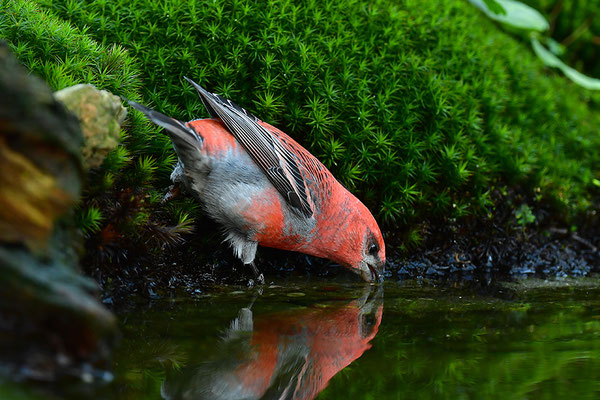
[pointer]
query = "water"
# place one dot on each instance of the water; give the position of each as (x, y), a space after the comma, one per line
(354, 341)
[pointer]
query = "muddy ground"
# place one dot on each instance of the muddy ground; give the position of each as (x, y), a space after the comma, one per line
(477, 251)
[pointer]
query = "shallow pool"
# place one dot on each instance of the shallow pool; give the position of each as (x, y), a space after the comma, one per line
(344, 341)
(328, 340)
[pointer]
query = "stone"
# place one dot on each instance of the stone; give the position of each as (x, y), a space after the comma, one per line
(100, 114)
(40, 142)
(51, 321)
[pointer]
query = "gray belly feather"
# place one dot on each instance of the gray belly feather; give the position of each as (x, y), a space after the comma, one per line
(224, 185)
(221, 185)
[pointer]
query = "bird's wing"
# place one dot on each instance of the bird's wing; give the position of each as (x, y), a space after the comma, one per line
(278, 162)
(182, 135)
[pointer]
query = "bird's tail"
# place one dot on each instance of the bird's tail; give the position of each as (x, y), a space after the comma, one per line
(182, 135)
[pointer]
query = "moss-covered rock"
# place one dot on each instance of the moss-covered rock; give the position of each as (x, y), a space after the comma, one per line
(63, 56)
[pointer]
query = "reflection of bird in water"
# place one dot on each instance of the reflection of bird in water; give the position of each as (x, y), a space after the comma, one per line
(290, 355)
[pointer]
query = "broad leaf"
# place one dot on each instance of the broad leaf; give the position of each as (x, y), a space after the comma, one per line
(495, 7)
(551, 60)
(555, 47)
(516, 14)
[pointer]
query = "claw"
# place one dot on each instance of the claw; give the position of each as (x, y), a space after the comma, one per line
(258, 276)
(173, 193)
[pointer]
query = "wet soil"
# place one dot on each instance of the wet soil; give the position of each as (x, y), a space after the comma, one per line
(475, 251)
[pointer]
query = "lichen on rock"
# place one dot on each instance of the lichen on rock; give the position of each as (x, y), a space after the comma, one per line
(100, 114)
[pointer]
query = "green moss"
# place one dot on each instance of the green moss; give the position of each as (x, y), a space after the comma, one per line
(119, 196)
(421, 108)
(90, 220)
(62, 54)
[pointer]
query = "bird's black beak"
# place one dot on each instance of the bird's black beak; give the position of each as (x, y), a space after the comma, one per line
(376, 273)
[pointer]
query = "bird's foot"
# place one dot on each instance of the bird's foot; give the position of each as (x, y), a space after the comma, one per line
(260, 279)
(173, 193)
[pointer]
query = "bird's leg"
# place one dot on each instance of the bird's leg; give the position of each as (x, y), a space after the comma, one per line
(260, 279)
(173, 193)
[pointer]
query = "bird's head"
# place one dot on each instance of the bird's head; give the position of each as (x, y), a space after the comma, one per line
(358, 244)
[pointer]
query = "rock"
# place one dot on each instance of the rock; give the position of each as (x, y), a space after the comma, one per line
(51, 313)
(100, 114)
(40, 143)
(51, 323)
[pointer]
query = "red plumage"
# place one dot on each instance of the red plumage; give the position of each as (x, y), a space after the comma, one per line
(265, 188)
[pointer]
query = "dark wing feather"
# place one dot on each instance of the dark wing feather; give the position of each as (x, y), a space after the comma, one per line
(278, 162)
(181, 134)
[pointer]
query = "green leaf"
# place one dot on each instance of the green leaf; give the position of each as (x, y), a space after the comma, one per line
(555, 47)
(524, 215)
(516, 14)
(552, 61)
(495, 7)
(596, 182)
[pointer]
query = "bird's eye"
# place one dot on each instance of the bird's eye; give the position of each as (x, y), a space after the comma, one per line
(373, 249)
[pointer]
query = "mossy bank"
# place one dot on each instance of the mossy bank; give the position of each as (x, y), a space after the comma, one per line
(427, 111)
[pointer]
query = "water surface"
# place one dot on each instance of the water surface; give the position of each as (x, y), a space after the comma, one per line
(346, 341)
(337, 340)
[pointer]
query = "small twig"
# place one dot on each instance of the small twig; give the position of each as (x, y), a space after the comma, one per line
(577, 32)
(574, 236)
(584, 242)
(560, 231)
(554, 15)
(459, 261)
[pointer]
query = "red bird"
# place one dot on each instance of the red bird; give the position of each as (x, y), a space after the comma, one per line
(264, 188)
